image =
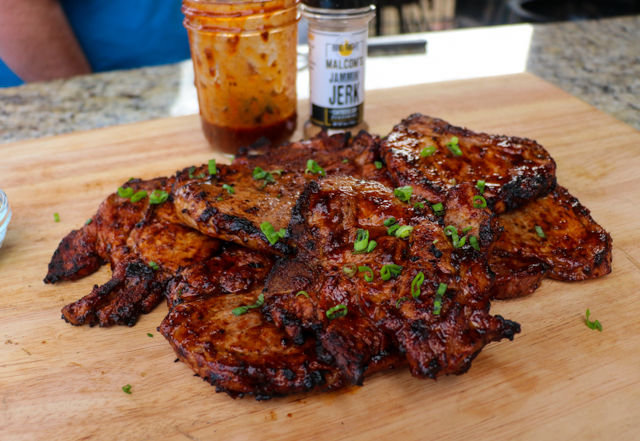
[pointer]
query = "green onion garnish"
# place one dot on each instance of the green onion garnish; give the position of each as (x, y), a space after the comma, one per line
(455, 239)
(302, 293)
(479, 202)
(391, 270)
(415, 285)
(480, 186)
(428, 151)
(88, 221)
(138, 196)
(403, 193)
(540, 232)
(419, 205)
(149, 334)
(368, 273)
(337, 312)
(372, 246)
(391, 231)
(244, 309)
(474, 243)
(378, 164)
(362, 240)
(454, 147)
(191, 171)
(403, 232)
(131, 178)
(345, 161)
(56, 217)
(350, 269)
(154, 266)
(219, 199)
(438, 208)
(389, 221)
(272, 235)
(313, 167)
(437, 301)
(401, 299)
(593, 325)
(259, 174)
(158, 197)
(466, 230)
(213, 169)
(127, 389)
(229, 188)
(125, 192)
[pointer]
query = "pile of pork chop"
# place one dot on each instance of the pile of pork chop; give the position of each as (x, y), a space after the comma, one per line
(315, 264)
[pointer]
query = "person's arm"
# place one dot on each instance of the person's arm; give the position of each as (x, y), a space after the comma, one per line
(37, 42)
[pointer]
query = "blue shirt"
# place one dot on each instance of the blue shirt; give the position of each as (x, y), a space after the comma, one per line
(123, 34)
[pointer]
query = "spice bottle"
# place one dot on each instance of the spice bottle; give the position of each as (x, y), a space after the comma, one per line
(338, 31)
(244, 57)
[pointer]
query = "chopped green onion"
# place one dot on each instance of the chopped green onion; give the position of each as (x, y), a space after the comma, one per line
(365, 270)
(149, 334)
(466, 230)
(337, 312)
(392, 229)
(540, 232)
(378, 164)
(213, 169)
(313, 167)
(158, 197)
(415, 285)
(200, 176)
(56, 217)
(438, 208)
(480, 186)
(302, 293)
(125, 193)
(138, 196)
(455, 239)
(272, 235)
(127, 389)
(154, 266)
(435, 241)
(259, 174)
(350, 269)
(479, 202)
(88, 221)
(389, 221)
(391, 270)
(461, 242)
(593, 325)
(403, 193)
(372, 246)
(131, 178)
(428, 151)
(419, 205)
(403, 232)
(454, 147)
(191, 171)
(437, 301)
(401, 299)
(244, 309)
(229, 188)
(219, 199)
(474, 243)
(345, 161)
(362, 240)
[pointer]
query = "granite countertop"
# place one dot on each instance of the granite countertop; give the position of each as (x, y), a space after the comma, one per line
(596, 61)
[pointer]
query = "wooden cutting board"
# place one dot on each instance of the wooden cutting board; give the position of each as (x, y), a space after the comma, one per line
(557, 380)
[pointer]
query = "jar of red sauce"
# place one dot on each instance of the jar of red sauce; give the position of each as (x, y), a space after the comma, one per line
(244, 57)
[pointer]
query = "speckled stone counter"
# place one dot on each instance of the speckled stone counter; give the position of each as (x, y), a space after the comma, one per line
(597, 61)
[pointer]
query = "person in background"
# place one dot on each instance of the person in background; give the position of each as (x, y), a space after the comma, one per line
(47, 39)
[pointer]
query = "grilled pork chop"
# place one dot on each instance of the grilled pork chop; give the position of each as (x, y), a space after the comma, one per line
(569, 246)
(422, 152)
(243, 354)
(236, 201)
(130, 235)
(357, 320)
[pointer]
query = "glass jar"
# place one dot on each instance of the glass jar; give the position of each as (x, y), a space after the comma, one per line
(244, 58)
(338, 32)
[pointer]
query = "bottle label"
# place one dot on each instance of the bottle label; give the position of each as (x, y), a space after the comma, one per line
(336, 70)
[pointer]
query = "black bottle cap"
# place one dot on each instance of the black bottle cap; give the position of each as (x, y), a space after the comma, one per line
(338, 4)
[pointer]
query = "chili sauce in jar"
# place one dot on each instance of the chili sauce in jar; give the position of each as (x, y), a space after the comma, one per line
(244, 57)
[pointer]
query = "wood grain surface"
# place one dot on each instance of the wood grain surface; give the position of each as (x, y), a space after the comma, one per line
(556, 380)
